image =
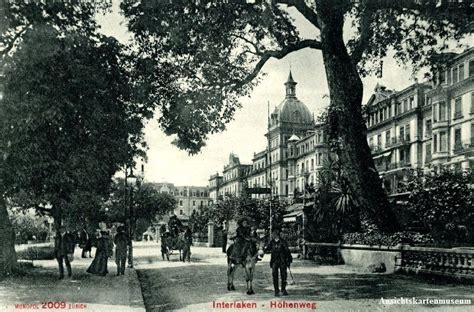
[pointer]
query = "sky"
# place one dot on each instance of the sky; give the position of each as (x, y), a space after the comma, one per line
(244, 135)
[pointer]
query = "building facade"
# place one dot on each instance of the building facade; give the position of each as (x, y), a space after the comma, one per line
(188, 198)
(427, 125)
(294, 153)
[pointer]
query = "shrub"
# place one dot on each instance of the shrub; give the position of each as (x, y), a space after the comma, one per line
(37, 253)
(377, 238)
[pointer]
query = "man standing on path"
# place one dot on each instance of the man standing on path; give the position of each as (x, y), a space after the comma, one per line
(280, 260)
(64, 249)
(121, 241)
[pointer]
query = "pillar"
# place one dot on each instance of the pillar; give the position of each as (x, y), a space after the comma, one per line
(210, 234)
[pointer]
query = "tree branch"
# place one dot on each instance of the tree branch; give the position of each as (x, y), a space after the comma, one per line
(9, 47)
(366, 32)
(278, 54)
(305, 10)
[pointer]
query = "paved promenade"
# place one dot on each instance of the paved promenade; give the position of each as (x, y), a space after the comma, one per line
(82, 292)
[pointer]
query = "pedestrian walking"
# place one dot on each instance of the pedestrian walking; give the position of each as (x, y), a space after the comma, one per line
(64, 250)
(121, 243)
(280, 260)
(85, 242)
(99, 264)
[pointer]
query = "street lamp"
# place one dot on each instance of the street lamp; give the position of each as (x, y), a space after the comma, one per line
(130, 180)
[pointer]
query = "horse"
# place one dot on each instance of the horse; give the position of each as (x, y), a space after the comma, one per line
(248, 264)
(169, 243)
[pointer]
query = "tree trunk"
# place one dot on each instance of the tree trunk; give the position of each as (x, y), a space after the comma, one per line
(7, 241)
(347, 129)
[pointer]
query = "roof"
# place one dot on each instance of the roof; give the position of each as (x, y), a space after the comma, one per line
(293, 110)
(294, 138)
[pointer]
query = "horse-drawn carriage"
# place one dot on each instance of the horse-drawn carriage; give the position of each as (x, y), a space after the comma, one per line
(170, 244)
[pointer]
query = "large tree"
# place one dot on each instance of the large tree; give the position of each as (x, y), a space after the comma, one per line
(68, 118)
(214, 52)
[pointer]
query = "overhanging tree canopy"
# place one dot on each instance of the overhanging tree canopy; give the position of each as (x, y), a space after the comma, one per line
(215, 51)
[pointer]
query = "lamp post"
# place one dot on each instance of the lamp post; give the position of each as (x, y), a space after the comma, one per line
(305, 177)
(130, 180)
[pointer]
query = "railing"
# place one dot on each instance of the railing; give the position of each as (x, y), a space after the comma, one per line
(454, 262)
(397, 165)
(436, 261)
(400, 140)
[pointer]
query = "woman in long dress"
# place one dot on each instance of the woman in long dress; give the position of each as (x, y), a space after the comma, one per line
(99, 264)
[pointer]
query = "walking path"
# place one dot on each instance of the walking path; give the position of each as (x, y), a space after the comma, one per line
(201, 286)
(82, 292)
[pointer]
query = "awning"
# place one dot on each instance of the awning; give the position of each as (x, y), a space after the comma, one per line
(386, 154)
(294, 211)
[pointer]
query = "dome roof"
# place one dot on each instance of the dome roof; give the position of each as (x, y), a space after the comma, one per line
(291, 109)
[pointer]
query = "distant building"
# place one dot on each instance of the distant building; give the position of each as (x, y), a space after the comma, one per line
(188, 198)
(294, 152)
(215, 185)
(234, 178)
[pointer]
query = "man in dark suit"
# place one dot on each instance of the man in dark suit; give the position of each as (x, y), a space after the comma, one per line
(280, 260)
(63, 249)
(121, 243)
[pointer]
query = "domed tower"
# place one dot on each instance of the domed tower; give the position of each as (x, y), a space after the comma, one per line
(290, 117)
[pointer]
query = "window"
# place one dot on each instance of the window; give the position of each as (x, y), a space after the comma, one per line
(180, 202)
(458, 107)
(455, 75)
(181, 211)
(387, 138)
(461, 72)
(194, 203)
(471, 68)
(405, 105)
(202, 203)
(428, 128)
(443, 141)
(435, 143)
(371, 142)
(472, 102)
(412, 102)
(428, 152)
(442, 111)
(399, 108)
(442, 77)
(457, 139)
(379, 140)
(435, 113)
(402, 133)
(407, 130)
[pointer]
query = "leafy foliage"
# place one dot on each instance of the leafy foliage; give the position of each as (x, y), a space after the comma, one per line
(68, 121)
(336, 210)
(213, 51)
(28, 226)
(148, 205)
(255, 210)
(442, 202)
(379, 239)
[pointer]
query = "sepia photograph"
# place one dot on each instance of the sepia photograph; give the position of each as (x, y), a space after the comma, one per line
(236, 155)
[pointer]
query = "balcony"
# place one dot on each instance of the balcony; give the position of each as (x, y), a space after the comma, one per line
(375, 149)
(400, 140)
(462, 148)
(458, 115)
(398, 165)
